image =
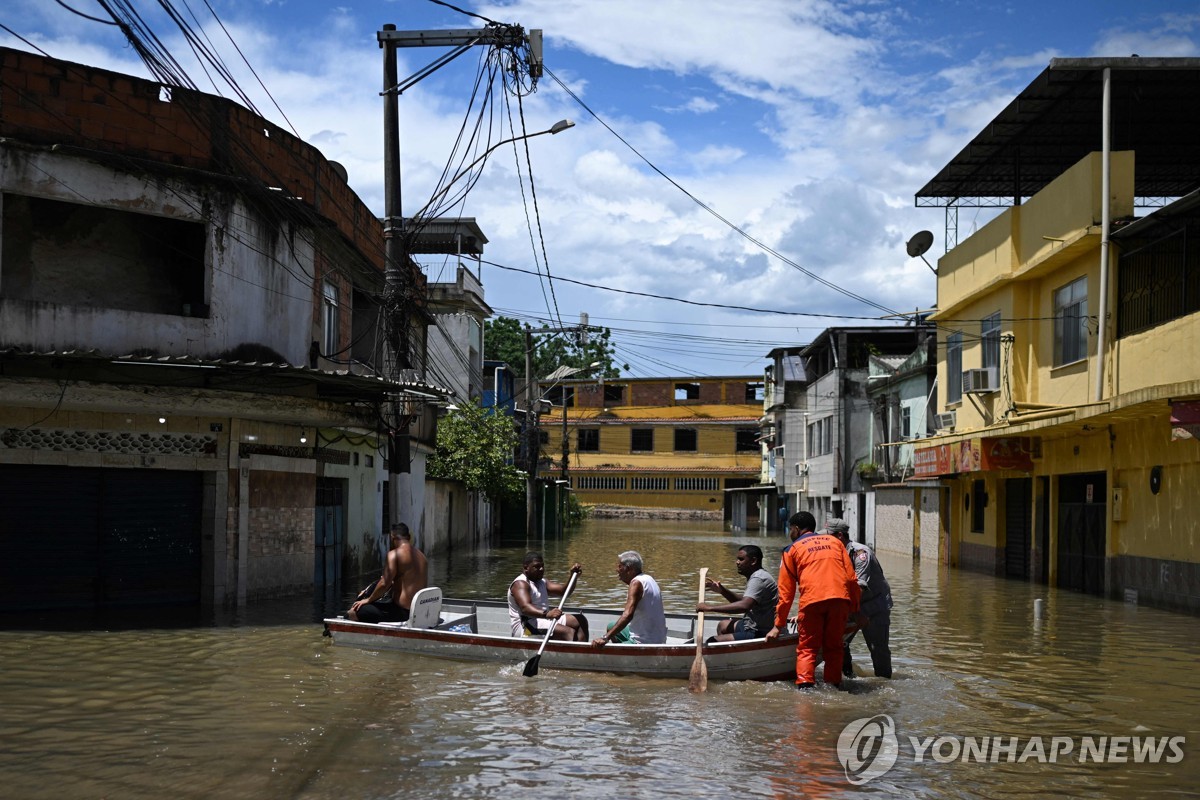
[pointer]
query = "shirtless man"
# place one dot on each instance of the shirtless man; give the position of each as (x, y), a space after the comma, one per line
(405, 574)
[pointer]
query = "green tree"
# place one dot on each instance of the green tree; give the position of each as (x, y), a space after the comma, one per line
(504, 340)
(475, 448)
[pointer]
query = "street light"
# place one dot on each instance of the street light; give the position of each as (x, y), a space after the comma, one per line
(558, 127)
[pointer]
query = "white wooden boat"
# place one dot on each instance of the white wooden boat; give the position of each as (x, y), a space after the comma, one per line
(478, 630)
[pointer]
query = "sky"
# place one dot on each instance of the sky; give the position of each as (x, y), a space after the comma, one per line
(740, 177)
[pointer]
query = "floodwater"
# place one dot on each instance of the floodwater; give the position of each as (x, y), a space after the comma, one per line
(263, 706)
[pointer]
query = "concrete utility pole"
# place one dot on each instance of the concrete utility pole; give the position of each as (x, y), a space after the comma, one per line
(533, 445)
(398, 299)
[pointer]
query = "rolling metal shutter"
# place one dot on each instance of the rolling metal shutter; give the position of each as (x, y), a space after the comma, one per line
(93, 538)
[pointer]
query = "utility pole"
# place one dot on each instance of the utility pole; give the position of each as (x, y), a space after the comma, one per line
(532, 442)
(398, 297)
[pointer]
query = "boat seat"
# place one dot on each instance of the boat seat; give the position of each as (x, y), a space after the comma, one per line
(426, 608)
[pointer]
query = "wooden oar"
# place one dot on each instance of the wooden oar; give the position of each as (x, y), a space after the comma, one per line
(698, 680)
(531, 667)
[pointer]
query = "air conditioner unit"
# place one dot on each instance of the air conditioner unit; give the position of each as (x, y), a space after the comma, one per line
(980, 381)
(945, 421)
(801, 470)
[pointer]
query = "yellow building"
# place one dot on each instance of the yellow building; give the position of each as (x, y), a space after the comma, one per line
(657, 442)
(1069, 338)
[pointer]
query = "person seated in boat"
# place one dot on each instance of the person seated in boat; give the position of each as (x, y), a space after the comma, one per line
(643, 620)
(529, 603)
(405, 573)
(758, 601)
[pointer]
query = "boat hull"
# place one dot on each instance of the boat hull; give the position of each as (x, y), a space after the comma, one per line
(469, 634)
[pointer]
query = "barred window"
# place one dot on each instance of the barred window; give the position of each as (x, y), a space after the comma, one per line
(651, 484)
(697, 484)
(602, 482)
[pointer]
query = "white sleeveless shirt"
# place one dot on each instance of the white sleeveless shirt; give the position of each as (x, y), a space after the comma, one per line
(649, 623)
(539, 596)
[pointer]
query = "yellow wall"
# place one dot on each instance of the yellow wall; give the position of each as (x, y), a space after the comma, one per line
(1140, 358)
(1013, 265)
(1165, 525)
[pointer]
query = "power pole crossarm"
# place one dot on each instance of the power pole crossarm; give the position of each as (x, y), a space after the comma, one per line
(508, 35)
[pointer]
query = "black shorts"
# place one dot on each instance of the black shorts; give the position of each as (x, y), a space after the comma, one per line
(382, 611)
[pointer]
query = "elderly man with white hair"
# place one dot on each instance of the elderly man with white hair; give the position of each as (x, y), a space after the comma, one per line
(875, 606)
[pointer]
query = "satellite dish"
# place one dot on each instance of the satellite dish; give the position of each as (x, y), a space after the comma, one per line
(339, 170)
(920, 242)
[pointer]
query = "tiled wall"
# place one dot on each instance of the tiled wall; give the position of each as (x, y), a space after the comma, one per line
(1159, 582)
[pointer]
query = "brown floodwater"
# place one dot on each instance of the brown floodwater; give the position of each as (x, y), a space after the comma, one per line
(261, 705)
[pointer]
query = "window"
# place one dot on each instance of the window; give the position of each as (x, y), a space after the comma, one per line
(820, 437)
(906, 422)
(82, 255)
(747, 440)
(649, 484)
(978, 504)
(685, 440)
(697, 484)
(954, 367)
(754, 392)
(687, 391)
(561, 394)
(989, 337)
(614, 395)
(587, 440)
(329, 321)
(1070, 322)
(641, 440)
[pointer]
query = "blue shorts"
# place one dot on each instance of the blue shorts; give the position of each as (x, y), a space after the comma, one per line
(743, 630)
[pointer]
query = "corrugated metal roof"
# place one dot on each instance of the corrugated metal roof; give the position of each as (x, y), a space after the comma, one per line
(338, 382)
(1055, 121)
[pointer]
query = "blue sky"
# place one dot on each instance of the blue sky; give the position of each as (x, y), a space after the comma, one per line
(807, 125)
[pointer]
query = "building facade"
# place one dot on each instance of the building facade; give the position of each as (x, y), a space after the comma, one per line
(1069, 340)
(189, 412)
(656, 442)
(819, 426)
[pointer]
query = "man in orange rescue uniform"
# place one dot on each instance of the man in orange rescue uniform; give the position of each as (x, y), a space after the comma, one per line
(818, 567)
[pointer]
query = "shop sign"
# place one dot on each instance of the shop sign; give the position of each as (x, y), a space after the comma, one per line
(976, 455)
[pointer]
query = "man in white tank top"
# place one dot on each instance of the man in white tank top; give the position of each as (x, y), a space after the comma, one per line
(529, 603)
(643, 614)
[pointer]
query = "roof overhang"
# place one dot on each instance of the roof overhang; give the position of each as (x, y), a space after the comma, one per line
(207, 373)
(1056, 121)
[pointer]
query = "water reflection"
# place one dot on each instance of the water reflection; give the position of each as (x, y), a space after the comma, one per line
(259, 704)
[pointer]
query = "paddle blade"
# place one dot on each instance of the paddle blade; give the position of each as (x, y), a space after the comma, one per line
(531, 666)
(698, 679)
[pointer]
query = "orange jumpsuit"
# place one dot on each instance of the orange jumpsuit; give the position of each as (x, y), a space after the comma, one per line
(818, 566)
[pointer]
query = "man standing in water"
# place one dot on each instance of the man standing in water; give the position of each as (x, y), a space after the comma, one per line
(875, 612)
(405, 574)
(815, 567)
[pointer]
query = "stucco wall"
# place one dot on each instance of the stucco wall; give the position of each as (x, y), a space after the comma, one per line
(252, 299)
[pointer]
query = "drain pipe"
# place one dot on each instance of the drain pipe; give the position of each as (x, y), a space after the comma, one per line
(1105, 224)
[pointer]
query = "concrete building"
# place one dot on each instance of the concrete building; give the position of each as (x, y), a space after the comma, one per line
(190, 390)
(657, 442)
(454, 516)
(819, 423)
(1069, 336)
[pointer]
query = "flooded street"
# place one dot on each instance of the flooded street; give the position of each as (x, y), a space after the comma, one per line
(264, 706)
